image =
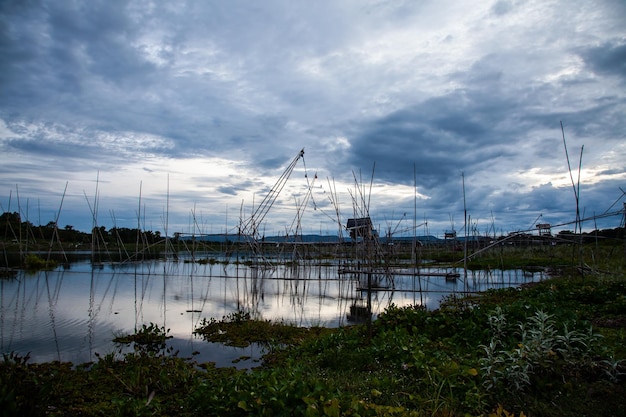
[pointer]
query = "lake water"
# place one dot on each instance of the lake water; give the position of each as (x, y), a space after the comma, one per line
(72, 313)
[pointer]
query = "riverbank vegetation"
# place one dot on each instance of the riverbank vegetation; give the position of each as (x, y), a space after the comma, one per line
(553, 348)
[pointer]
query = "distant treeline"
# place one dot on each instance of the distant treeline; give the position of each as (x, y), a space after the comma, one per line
(18, 231)
(616, 233)
(14, 229)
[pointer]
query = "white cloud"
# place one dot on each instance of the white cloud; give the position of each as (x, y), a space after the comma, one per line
(5, 132)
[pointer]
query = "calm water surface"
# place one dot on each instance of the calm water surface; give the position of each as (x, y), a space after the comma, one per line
(72, 313)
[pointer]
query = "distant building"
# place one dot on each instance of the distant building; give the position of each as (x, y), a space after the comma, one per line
(361, 228)
(544, 229)
(449, 234)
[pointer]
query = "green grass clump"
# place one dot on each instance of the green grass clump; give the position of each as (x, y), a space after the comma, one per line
(240, 330)
(35, 263)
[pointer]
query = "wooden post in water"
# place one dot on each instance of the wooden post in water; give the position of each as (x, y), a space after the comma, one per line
(465, 231)
(624, 225)
(167, 216)
(369, 306)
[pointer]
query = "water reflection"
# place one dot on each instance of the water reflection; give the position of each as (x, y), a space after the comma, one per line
(73, 313)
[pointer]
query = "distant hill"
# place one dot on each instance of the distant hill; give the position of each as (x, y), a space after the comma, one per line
(312, 238)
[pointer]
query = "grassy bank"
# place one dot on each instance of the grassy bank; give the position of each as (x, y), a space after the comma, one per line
(555, 348)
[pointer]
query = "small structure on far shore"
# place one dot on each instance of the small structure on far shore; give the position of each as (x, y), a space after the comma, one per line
(449, 234)
(361, 228)
(544, 229)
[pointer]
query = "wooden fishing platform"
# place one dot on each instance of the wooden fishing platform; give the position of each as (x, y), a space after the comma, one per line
(447, 275)
(407, 290)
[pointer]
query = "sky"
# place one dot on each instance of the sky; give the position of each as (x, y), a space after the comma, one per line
(182, 116)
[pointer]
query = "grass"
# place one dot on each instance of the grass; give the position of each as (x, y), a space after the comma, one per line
(34, 263)
(238, 329)
(554, 348)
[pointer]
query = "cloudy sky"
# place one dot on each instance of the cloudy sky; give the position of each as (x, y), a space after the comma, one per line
(185, 114)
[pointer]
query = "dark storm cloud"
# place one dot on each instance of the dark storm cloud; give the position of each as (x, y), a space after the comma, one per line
(59, 48)
(612, 171)
(232, 186)
(609, 58)
(228, 190)
(441, 137)
(50, 149)
(502, 7)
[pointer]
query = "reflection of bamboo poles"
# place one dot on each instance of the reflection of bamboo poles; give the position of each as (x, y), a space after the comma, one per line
(23, 312)
(205, 296)
(145, 280)
(90, 313)
(93, 309)
(51, 307)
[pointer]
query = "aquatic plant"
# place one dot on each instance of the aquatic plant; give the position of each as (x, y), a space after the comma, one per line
(33, 262)
(240, 329)
(149, 338)
(539, 347)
